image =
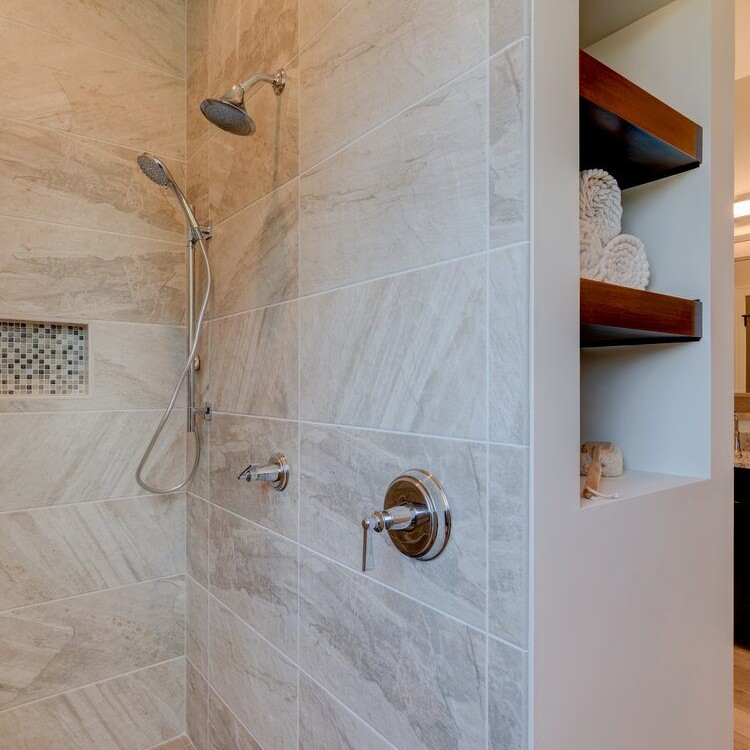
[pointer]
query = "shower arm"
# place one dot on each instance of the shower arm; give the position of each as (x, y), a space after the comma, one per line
(236, 95)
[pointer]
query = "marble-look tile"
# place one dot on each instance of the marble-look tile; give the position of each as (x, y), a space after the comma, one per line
(245, 169)
(225, 731)
(79, 274)
(509, 543)
(411, 193)
(509, 146)
(221, 14)
(199, 129)
(197, 183)
(509, 20)
(198, 513)
(431, 687)
(259, 36)
(197, 12)
(196, 626)
(196, 704)
(405, 353)
(49, 648)
(254, 360)
(238, 441)
(132, 712)
(254, 680)
(58, 552)
(345, 474)
(255, 254)
(325, 723)
(149, 32)
(59, 177)
(178, 743)
(314, 15)
(509, 345)
(508, 701)
(76, 89)
(132, 366)
(80, 456)
(348, 72)
(254, 573)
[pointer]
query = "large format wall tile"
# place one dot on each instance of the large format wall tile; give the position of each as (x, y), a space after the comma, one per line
(314, 15)
(245, 169)
(255, 681)
(197, 18)
(199, 129)
(150, 32)
(509, 345)
(132, 366)
(255, 254)
(196, 626)
(508, 700)
(196, 707)
(509, 20)
(75, 457)
(411, 193)
(197, 185)
(132, 712)
(345, 475)
(68, 87)
(49, 648)
(254, 362)
(48, 270)
(59, 177)
(353, 74)
(259, 36)
(509, 543)
(254, 573)
(239, 441)
(405, 353)
(224, 730)
(198, 514)
(509, 152)
(58, 552)
(431, 687)
(325, 723)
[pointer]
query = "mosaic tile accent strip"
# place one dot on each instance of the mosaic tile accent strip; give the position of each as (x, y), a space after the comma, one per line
(43, 359)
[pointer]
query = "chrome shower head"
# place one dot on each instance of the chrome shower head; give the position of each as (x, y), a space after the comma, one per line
(155, 170)
(228, 111)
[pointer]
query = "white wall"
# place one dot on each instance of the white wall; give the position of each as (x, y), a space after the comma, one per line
(632, 600)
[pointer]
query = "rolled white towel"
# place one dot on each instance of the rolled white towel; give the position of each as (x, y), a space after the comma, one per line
(592, 251)
(600, 202)
(625, 262)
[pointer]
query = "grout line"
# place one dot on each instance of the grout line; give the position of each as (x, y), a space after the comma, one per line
(314, 38)
(96, 592)
(358, 575)
(86, 45)
(96, 230)
(86, 503)
(91, 139)
(91, 684)
(212, 689)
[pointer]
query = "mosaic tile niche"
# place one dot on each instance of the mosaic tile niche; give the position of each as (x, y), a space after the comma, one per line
(43, 359)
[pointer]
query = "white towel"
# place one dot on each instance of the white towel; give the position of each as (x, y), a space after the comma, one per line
(600, 202)
(625, 262)
(592, 251)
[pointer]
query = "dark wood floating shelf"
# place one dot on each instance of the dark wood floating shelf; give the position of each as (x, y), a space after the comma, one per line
(631, 134)
(614, 315)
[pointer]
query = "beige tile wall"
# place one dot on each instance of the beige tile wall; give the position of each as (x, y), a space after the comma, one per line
(92, 596)
(371, 314)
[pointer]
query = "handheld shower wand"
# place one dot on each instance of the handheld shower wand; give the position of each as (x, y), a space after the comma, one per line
(158, 173)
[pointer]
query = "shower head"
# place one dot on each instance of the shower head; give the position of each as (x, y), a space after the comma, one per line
(156, 171)
(228, 111)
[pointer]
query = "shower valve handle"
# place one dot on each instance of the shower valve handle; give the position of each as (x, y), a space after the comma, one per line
(275, 472)
(396, 518)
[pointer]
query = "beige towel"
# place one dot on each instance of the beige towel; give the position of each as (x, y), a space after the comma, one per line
(600, 202)
(625, 263)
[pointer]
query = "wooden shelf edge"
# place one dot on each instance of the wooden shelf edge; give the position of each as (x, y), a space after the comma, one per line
(614, 315)
(629, 132)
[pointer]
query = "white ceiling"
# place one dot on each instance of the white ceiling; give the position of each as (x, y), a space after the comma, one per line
(600, 18)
